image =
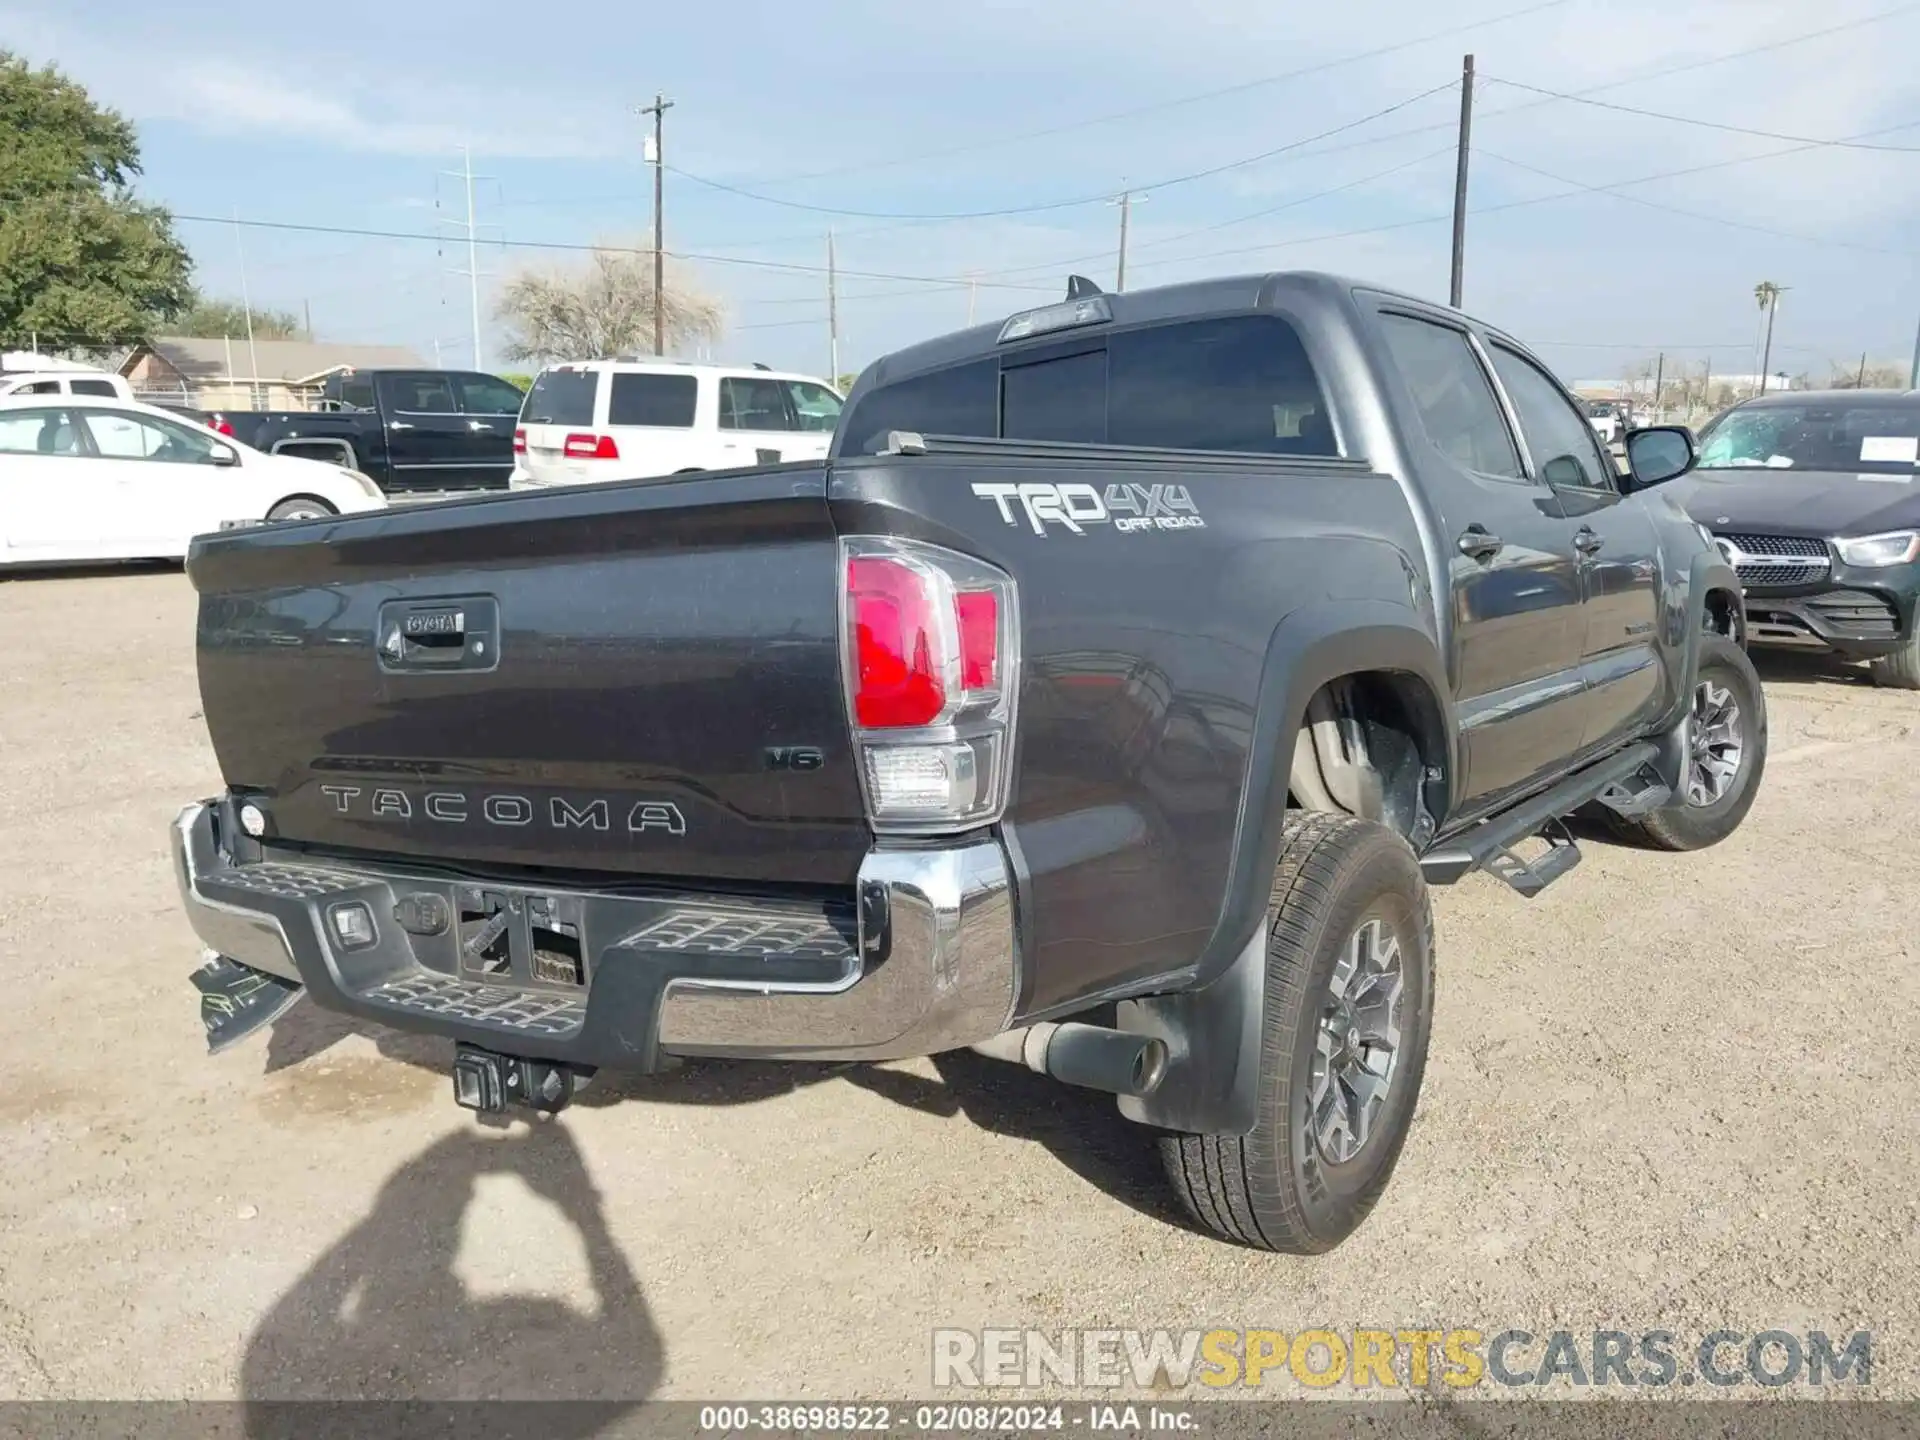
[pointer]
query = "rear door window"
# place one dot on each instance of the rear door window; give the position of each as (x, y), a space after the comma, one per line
(1240, 383)
(40, 432)
(748, 402)
(95, 387)
(1452, 394)
(356, 392)
(663, 400)
(561, 397)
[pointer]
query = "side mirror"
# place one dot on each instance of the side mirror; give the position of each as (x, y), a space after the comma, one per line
(223, 455)
(1659, 454)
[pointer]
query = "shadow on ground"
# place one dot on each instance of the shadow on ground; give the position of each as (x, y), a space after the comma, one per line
(382, 1315)
(1082, 1129)
(1808, 667)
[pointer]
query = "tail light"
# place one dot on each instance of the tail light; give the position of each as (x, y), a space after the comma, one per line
(590, 447)
(930, 644)
(519, 442)
(220, 425)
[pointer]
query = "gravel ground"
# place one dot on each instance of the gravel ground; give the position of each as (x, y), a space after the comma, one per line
(1675, 1092)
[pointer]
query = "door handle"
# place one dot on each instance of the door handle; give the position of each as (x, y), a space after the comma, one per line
(1586, 541)
(399, 425)
(478, 425)
(1476, 541)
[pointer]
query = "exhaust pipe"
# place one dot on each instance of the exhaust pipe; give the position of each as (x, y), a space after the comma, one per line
(1116, 1061)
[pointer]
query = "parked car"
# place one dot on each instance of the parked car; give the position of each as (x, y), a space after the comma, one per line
(411, 430)
(87, 479)
(1814, 496)
(1106, 701)
(102, 384)
(624, 419)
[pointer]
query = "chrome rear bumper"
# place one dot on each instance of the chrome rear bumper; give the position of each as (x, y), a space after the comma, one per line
(924, 961)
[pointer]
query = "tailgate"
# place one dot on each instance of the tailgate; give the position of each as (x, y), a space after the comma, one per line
(618, 679)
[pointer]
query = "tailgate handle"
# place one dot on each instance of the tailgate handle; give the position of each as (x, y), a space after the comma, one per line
(461, 634)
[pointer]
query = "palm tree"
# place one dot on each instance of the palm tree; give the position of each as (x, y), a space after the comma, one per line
(1767, 294)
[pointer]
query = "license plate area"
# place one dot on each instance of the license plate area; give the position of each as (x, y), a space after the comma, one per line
(523, 938)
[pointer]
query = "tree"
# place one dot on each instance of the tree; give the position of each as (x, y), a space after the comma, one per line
(83, 264)
(1877, 377)
(210, 319)
(601, 309)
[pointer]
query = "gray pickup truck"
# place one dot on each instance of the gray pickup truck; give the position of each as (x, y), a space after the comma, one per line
(1105, 702)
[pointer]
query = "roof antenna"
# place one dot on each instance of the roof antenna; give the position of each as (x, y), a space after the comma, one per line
(1079, 287)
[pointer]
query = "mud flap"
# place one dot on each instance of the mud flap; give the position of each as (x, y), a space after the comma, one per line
(236, 1000)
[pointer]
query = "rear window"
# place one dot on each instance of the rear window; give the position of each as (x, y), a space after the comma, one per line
(1240, 383)
(94, 387)
(561, 397)
(664, 400)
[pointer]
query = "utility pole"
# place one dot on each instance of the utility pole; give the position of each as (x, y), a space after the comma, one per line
(1460, 183)
(1659, 378)
(1913, 375)
(973, 291)
(306, 309)
(833, 315)
(1772, 294)
(1125, 202)
(466, 176)
(246, 304)
(657, 158)
(1861, 382)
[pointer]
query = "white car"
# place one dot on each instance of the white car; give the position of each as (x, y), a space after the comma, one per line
(596, 420)
(87, 479)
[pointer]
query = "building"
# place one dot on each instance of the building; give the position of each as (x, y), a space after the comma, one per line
(219, 374)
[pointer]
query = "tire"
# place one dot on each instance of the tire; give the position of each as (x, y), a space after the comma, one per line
(301, 507)
(1689, 821)
(1341, 885)
(1900, 670)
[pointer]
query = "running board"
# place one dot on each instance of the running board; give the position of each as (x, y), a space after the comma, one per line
(1490, 844)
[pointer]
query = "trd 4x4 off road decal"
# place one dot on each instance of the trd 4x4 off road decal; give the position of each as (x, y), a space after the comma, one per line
(1127, 508)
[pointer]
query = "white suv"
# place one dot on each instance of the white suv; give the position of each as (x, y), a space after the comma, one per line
(595, 420)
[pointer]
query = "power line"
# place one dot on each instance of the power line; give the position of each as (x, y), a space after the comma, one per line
(1099, 199)
(580, 247)
(1178, 103)
(1659, 74)
(1677, 210)
(1292, 204)
(1694, 120)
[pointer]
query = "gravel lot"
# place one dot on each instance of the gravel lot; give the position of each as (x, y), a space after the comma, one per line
(1673, 1092)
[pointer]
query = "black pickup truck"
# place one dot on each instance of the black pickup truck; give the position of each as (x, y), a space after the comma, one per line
(1106, 702)
(408, 430)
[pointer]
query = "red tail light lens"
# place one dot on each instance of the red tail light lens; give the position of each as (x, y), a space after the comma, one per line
(221, 425)
(519, 442)
(978, 612)
(590, 447)
(898, 649)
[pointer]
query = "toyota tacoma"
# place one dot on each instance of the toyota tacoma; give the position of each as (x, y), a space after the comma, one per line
(1106, 701)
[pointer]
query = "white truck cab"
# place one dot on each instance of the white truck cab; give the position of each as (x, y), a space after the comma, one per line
(599, 420)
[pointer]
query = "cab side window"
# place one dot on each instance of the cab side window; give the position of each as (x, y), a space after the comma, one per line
(1452, 394)
(40, 432)
(1566, 453)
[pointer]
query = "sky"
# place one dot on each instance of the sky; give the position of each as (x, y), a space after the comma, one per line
(1256, 135)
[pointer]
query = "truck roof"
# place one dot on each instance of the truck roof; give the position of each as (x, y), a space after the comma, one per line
(1134, 307)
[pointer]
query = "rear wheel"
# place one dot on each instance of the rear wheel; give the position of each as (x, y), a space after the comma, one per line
(1348, 1011)
(301, 507)
(1726, 756)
